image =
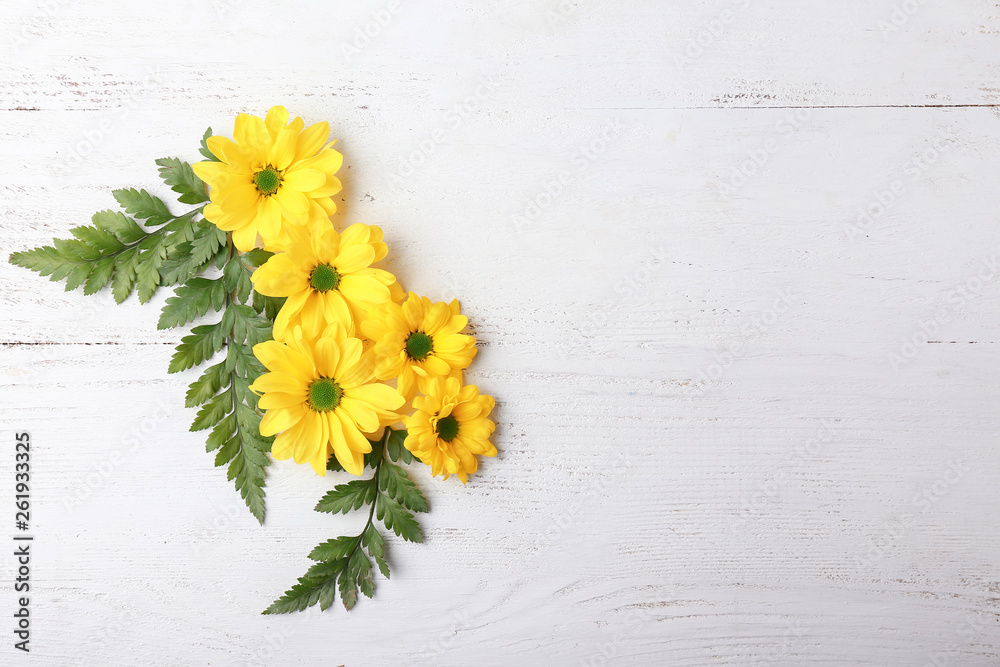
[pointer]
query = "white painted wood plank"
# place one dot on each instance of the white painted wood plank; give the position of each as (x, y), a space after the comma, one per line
(735, 425)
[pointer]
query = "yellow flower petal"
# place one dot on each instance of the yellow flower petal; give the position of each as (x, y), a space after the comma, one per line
(311, 140)
(327, 356)
(268, 219)
(359, 411)
(304, 180)
(279, 276)
(361, 288)
(376, 394)
(245, 238)
(276, 120)
(354, 258)
(278, 420)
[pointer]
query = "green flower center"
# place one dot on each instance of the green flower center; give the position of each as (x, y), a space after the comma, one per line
(419, 345)
(324, 395)
(324, 278)
(267, 180)
(447, 428)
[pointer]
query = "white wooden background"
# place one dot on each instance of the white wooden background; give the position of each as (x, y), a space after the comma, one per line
(709, 454)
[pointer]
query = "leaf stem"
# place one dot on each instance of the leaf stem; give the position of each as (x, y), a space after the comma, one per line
(374, 480)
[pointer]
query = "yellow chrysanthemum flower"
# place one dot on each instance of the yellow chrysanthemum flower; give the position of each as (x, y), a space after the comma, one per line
(449, 427)
(321, 397)
(418, 341)
(326, 277)
(273, 174)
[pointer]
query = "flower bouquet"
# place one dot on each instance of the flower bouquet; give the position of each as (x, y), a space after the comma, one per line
(319, 355)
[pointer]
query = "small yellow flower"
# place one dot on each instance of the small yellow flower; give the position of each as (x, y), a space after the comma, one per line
(450, 427)
(274, 174)
(321, 397)
(418, 341)
(326, 277)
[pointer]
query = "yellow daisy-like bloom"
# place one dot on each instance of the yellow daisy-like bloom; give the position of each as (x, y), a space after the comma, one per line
(326, 276)
(449, 427)
(321, 397)
(274, 174)
(418, 341)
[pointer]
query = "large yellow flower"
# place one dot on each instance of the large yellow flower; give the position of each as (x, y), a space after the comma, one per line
(321, 397)
(450, 427)
(273, 174)
(326, 277)
(418, 341)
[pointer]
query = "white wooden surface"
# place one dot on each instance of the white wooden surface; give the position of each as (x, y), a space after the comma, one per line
(708, 455)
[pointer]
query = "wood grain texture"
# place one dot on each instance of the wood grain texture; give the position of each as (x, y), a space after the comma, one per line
(734, 268)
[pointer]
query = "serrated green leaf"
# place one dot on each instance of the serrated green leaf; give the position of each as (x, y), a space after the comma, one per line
(77, 275)
(317, 585)
(44, 260)
(394, 481)
(222, 435)
(144, 206)
(205, 387)
(100, 275)
(228, 451)
(204, 150)
(397, 519)
(346, 497)
(395, 448)
(103, 241)
(124, 277)
(335, 549)
(236, 278)
(191, 301)
(333, 464)
(182, 179)
(76, 249)
(258, 256)
(249, 328)
(124, 228)
(241, 360)
(200, 345)
(213, 411)
(187, 259)
(348, 590)
(360, 568)
(147, 270)
(372, 541)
